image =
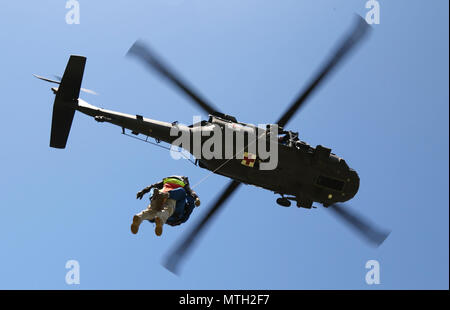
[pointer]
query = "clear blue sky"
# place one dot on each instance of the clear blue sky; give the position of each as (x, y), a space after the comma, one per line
(385, 111)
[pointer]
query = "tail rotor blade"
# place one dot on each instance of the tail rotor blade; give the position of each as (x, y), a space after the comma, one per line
(58, 81)
(85, 90)
(46, 79)
(88, 91)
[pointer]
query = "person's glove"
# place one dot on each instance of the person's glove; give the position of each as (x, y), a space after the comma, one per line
(197, 202)
(141, 194)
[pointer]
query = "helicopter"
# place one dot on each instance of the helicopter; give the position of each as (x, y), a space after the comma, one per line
(302, 174)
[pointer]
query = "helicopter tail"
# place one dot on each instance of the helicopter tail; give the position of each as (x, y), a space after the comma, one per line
(66, 101)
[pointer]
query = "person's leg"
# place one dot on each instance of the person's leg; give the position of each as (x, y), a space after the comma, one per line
(162, 216)
(147, 214)
(158, 199)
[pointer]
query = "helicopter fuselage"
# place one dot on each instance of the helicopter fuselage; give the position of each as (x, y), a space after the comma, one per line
(302, 173)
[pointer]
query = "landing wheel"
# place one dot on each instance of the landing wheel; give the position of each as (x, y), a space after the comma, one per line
(284, 202)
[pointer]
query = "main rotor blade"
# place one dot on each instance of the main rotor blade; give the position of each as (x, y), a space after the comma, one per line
(360, 29)
(149, 58)
(183, 247)
(374, 235)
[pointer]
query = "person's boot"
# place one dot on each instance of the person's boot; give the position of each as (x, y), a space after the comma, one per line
(136, 223)
(159, 226)
(158, 199)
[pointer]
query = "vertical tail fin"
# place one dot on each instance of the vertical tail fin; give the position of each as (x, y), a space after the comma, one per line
(66, 101)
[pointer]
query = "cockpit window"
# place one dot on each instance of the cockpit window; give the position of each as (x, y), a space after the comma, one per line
(330, 183)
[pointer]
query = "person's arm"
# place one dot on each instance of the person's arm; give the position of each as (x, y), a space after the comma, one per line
(158, 185)
(141, 194)
(191, 193)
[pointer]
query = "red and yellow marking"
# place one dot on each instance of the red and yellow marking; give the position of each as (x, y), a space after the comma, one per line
(249, 160)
